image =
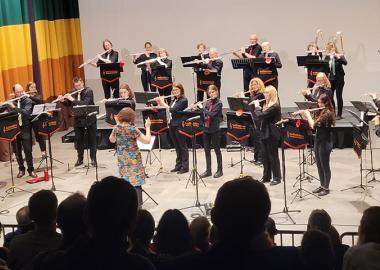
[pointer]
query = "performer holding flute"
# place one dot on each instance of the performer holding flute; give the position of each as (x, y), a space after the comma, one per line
(214, 65)
(127, 93)
(322, 86)
(269, 115)
(212, 116)
(82, 95)
(376, 100)
(336, 76)
(162, 73)
(24, 106)
(177, 105)
(125, 134)
(31, 89)
(109, 56)
(145, 68)
(252, 51)
(322, 122)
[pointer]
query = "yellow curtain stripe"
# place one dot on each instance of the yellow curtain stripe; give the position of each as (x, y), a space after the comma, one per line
(59, 38)
(13, 52)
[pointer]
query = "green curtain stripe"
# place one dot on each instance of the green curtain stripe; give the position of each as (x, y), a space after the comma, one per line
(13, 12)
(55, 9)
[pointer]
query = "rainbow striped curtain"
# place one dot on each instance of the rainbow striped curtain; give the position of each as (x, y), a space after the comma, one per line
(40, 40)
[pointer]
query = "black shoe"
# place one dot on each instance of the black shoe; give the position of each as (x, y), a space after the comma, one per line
(323, 192)
(20, 174)
(275, 182)
(257, 163)
(219, 173)
(182, 171)
(33, 174)
(78, 163)
(176, 169)
(317, 190)
(264, 180)
(93, 163)
(206, 174)
(339, 117)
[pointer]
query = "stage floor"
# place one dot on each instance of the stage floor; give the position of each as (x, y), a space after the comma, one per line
(169, 190)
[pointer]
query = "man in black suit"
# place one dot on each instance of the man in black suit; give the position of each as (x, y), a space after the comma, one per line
(24, 106)
(84, 96)
(106, 58)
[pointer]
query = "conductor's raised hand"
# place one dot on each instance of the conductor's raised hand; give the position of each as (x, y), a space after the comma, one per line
(148, 123)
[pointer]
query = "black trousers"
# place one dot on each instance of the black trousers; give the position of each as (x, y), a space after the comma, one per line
(247, 76)
(139, 196)
(200, 95)
(255, 139)
(22, 142)
(322, 150)
(40, 139)
(81, 140)
(107, 89)
(179, 141)
(214, 139)
(146, 80)
(271, 161)
(337, 88)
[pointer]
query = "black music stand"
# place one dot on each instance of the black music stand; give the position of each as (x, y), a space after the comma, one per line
(146, 98)
(9, 129)
(38, 111)
(191, 128)
(85, 111)
(265, 69)
(360, 141)
(306, 105)
(194, 128)
(285, 210)
(113, 108)
(110, 72)
(238, 130)
(239, 104)
(367, 108)
(159, 118)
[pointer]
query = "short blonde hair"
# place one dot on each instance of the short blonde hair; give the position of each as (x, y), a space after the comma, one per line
(260, 84)
(162, 50)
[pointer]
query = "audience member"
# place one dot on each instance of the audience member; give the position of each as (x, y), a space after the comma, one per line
(213, 235)
(110, 215)
(23, 221)
(316, 251)
(142, 235)
(173, 236)
(23, 248)
(271, 230)
(366, 255)
(199, 230)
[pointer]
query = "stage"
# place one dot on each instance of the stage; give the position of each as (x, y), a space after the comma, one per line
(168, 189)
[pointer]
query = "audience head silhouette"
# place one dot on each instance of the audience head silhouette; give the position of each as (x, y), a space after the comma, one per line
(23, 216)
(173, 234)
(43, 208)
(241, 209)
(144, 229)
(319, 219)
(111, 209)
(369, 226)
(200, 230)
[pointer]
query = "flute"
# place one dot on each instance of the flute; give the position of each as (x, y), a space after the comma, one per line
(258, 100)
(110, 99)
(196, 104)
(14, 99)
(310, 110)
(72, 93)
(92, 59)
(164, 97)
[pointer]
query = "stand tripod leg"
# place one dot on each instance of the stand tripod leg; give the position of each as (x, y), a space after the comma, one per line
(149, 197)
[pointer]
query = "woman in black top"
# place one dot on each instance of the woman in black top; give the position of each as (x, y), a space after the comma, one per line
(126, 93)
(162, 74)
(177, 105)
(336, 76)
(145, 69)
(321, 86)
(270, 134)
(322, 123)
(109, 57)
(212, 115)
(31, 89)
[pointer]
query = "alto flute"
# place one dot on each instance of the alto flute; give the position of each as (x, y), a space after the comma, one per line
(14, 99)
(164, 97)
(258, 100)
(92, 59)
(310, 110)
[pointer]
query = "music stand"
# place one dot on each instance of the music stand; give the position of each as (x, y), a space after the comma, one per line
(187, 61)
(113, 108)
(38, 111)
(239, 104)
(238, 130)
(159, 124)
(86, 111)
(306, 105)
(265, 69)
(146, 97)
(285, 210)
(110, 72)
(193, 127)
(9, 130)
(367, 108)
